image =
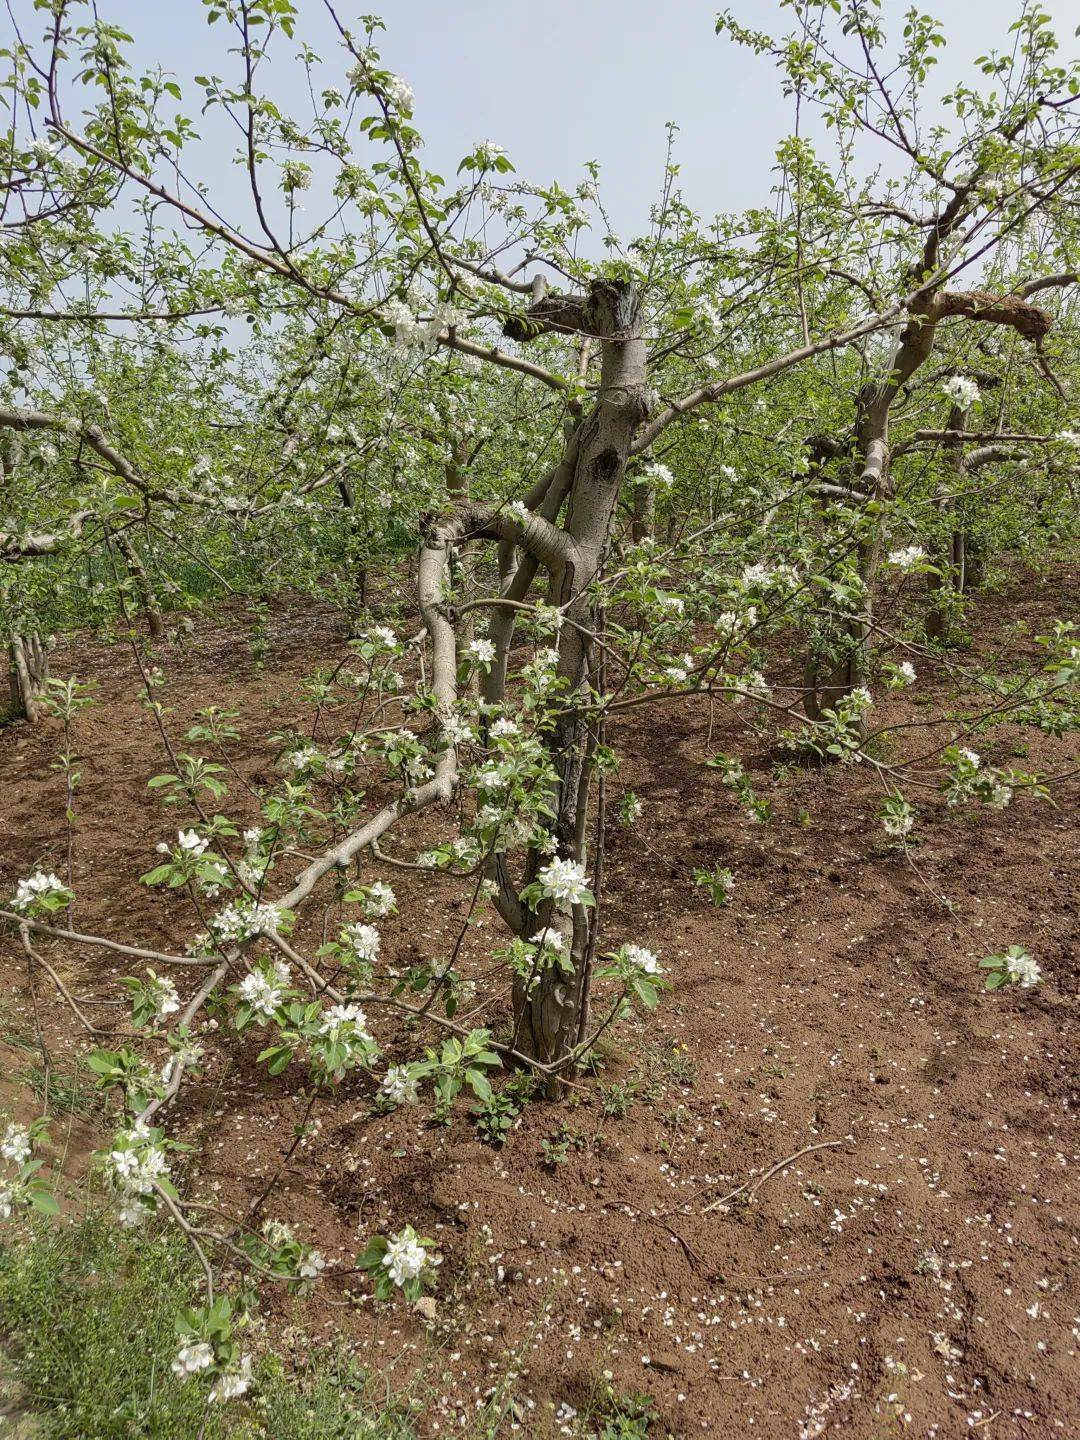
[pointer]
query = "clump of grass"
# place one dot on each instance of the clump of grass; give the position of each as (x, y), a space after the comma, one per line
(88, 1330)
(65, 1090)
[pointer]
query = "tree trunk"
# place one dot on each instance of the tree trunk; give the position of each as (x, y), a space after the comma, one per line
(974, 563)
(29, 675)
(914, 347)
(457, 491)
(547, 1018)
(145, 590)
(949, 559)
(641, 524)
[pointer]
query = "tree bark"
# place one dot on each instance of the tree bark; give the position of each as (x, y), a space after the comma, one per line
(548, 1017)
(644, 515)
(29, 658)
(913, 348)
(145, 590)
(949, 559)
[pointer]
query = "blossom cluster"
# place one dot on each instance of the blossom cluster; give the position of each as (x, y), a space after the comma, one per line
(136, 1166)
(1013, 966)
(239, 922)
(908, 557)
(405, 1261)
(969, 778)
(411, 331)
(25, 1187)
(264, 989)
(41, 891)
(962, 391)
(564, 881)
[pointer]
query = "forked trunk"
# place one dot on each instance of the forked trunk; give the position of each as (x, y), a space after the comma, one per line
(547, 1019)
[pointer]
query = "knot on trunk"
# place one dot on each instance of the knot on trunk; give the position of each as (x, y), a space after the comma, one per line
(605, 466)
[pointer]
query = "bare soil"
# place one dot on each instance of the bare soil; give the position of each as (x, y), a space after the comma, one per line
(913, 1277)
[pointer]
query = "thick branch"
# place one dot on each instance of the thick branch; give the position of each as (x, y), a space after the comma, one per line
(452, 341)
(26, 547)
(1048, 282)
(1030, 321)
(710, 393)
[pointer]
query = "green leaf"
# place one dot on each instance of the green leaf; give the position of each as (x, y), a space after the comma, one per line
(278, 1058)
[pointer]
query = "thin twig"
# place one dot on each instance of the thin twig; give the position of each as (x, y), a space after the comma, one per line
(754, 1185)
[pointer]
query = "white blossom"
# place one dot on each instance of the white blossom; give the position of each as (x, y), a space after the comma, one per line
(563, 881)
(192, 1357)
(263, 992)
(907, 557)
(551, 939)
(16, 1145)
(295, 175)
(312, 1265)
(399, 1087)
(191, 842)
(482, 651)
(380, 902)
(405, 1257)
(188, 1052)
(961, 391)
(237, 923)
(487, 152)
(166, 1000)
(364, 940)
(36, 887)
(632, 807)
(134, 1168)
(659, 474)
(728, 621)
(233, 1383)
(457, 730)
(1023, 970)
(399, 94)
(345, 1021)
(643, 959)
(383, 635)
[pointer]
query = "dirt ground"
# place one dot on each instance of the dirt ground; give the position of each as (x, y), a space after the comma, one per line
(910, 1278)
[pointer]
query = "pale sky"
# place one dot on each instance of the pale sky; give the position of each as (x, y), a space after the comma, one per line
(559, 82)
